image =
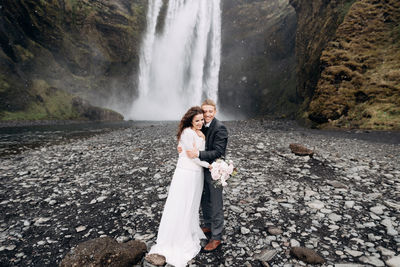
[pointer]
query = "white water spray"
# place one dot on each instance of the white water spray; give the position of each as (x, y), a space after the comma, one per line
(179, 66)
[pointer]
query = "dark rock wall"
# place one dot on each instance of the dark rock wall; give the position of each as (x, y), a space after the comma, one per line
(87, 48)
(257, 75)
(317, 22)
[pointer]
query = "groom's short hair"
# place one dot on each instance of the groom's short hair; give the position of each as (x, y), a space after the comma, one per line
(209, 102)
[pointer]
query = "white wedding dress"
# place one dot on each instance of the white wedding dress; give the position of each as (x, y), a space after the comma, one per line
(179, 234)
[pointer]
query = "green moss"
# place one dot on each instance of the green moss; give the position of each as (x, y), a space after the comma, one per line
(345, 9)
(50, 103)
(4, 85)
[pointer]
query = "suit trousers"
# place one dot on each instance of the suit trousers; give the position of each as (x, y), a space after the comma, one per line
(212, 206)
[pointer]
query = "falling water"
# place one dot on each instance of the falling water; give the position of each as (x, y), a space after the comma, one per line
(179, 66)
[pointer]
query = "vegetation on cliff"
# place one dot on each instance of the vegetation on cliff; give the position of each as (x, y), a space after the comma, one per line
(359, 85)
(86, 49)
(347, 63)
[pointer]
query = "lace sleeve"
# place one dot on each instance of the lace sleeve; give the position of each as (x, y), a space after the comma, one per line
(188, 141)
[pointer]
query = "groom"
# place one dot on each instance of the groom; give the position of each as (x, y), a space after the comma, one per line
(211, 201)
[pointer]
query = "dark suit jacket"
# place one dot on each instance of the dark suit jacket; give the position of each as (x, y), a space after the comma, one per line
(216, 141)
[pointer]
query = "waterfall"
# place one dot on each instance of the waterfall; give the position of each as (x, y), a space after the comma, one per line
(179, 64)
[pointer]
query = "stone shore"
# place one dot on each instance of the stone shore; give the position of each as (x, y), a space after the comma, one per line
(344, 203)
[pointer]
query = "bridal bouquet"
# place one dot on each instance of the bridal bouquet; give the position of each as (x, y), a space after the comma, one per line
(221, 171)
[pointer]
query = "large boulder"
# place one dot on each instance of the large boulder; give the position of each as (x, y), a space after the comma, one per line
(105, 251)
(307, 255)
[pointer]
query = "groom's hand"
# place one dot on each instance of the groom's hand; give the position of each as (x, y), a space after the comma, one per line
(194, 153)
(179, 149)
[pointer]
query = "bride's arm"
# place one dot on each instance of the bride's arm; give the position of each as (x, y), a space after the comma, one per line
(188, 142)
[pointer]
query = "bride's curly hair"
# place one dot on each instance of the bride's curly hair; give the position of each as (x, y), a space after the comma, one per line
(187, 119)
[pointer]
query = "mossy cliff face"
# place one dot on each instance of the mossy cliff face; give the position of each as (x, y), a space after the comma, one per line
(83, 48)
(257, 73)
(317, 22)
(347, 62)
(360, 79)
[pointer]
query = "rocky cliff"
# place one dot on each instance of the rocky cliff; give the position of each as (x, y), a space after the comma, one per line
(53, 51)
(57, 50)
(348, 61)
(257, 75)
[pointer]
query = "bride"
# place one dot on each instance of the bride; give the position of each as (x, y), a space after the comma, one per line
(179, 233)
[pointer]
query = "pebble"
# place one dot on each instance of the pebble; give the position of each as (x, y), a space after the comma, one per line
(244, 230)
(80, 228)
(335, 217)
(294, 243)
(10, 247)
(377, 210)
(354, 253)
(393, 262)
(275, 230)
(372, 260)
(316, 204)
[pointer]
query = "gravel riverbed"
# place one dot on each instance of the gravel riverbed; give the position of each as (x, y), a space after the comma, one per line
(344, 203)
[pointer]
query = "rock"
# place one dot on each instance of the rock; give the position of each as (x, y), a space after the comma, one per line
(100, 199)
(354, 253)
(300, 150)
(236, 209)
(20, 255)
(377, 210)
(244, 230)
(337, 184)
(349, 204)
(260, 146)
(389, 227)
(80, 228)
(155, 259)
(122, 239)
(294, 243)
(11, 247)
(105, 251)
(41, 220)
(275, 230)
(265, 255)
(307, 255)
(372, 260)
(335, 217)
(385, 251)
(392, 205)
(393, 262)
(316, 204)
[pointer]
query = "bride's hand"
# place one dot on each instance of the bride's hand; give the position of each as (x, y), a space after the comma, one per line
(210, 167)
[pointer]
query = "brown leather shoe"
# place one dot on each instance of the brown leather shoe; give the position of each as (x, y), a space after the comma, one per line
(206, 230)
(212, 245)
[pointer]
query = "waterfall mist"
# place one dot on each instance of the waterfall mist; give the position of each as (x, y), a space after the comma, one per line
(179, 64)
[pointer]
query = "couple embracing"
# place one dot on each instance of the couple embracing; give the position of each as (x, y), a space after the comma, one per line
(201, 140)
